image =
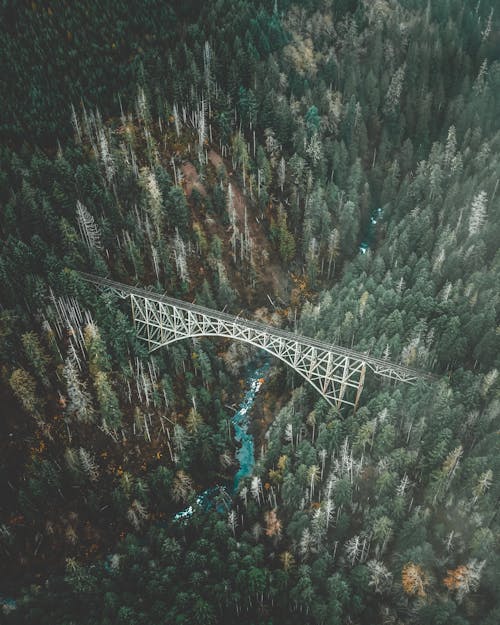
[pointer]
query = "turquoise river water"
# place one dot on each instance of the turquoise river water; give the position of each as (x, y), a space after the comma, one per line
(246, 452)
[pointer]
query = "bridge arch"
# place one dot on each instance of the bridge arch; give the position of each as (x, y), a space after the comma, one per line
(330, 369)
(161, 323)
(331, 397)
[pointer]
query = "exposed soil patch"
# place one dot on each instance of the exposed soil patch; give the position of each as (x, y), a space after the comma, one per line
(192, 179)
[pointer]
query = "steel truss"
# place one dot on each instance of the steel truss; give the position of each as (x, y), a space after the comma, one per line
(337, 373)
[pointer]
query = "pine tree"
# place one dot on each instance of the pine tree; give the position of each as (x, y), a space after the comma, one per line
(108, 401)
(89, 230)
(80, 401)
(477, 212)
(23, 386)
(36, 356)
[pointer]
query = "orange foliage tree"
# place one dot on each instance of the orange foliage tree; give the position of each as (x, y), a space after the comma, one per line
(455, 577)
(273, 524)
(414, 580)
(464, 579)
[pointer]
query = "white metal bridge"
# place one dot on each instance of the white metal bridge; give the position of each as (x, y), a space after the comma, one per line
(337, 373)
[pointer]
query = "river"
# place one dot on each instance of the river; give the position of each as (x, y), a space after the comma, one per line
(370, 231)
(246, 452)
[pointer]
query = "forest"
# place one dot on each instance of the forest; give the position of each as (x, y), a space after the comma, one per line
(326, 167)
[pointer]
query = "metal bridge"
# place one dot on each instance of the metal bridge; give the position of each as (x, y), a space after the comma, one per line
(337, 373)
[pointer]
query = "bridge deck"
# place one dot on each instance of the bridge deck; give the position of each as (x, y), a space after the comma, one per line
(371, 361)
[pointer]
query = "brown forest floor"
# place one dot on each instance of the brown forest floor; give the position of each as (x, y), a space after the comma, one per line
(270, 276)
